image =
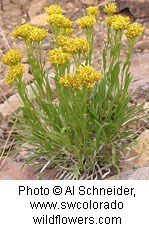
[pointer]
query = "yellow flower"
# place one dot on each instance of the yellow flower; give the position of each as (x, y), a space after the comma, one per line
(110, 8)
(92, 11)
(14, 72)
(30, 33)
(73, 45)
(120, 22)
(110, 19)
(62, 40)
(88, 75)
(70, 81)
(85, 76)
(134, 30)
(58, 57)
(22, 31)
(12, 57)
(37, 34)
(86, 22)
(54, 9)
(66, 31)
(59, 20)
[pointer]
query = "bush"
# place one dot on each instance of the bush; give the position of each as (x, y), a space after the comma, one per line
(83, 133)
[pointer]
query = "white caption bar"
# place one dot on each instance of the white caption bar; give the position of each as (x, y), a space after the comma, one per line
(70, 205)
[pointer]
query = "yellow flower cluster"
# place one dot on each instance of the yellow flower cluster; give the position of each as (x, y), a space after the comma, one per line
(70, 81)
(58, 57)
(73, 45)
(88, 75)
(110, 19)
(134, 30)
(14, 72)
(86, 22)
(30, 33)
(12, 57)
(85, 76)
(66, 31)
(59, 20)
(37, 34)
(110, 8)
(54, 9)
(120, 22)
(92, 11)
(22, 31)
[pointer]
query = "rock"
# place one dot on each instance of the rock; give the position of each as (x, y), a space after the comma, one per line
(5, 91)
(11, 170)
(89, 2)
(140, 89)
(27, 76)
(1, 119)
(146, 106)
(10, 106)
(139, 70)
(146, 25)
(138, 9)
(147, 32)
(24, 153)
(13, 103)
(142, 45)
(146, 29)
(138, 174)
(16, 12)
(142, 149)
(69, 5)
(36, 7)
(39, 20)
(24, 4)
(102, 4)
(138, 155)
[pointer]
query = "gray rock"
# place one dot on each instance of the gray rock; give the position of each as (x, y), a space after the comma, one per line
(89, 2)
(36, 7)
(138, 9)
(138, 174)
(142, 45)
(11, 170)
(140, 71)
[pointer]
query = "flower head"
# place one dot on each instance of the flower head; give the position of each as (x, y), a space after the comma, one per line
(85, 76)
(134, 30)
(58, 57)
(37, 34)
(59, 20)
(14, 72)
(12, 57)
(120, 22)
(70, 81)
(88, 75)
(110, 19)
(30, 33)
(66, 31)
(86, 22)
(73, 45)
(110, 8)
(92, 11)
(54, 9)
(22, 31)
